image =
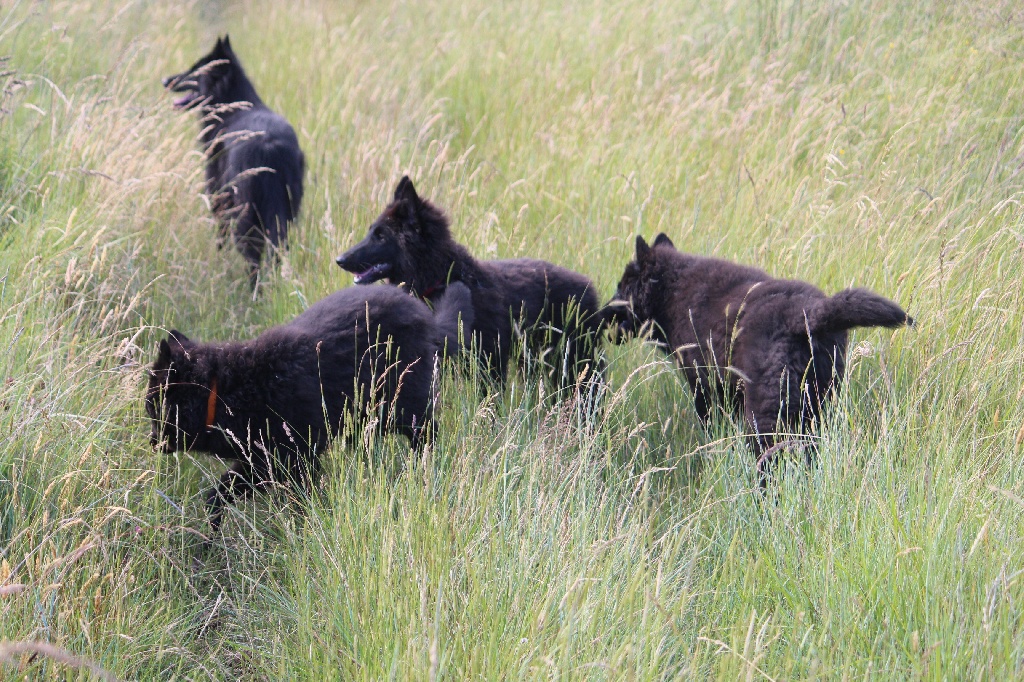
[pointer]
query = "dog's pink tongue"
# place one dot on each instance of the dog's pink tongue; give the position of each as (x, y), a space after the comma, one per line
(182, 102)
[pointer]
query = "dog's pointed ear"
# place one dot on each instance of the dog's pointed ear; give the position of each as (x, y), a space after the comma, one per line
(178, 338)
(406, 192)
(643, 251)
(164, 360)
(406, 206)
(163, 356)
(662, 238)
(222, 50)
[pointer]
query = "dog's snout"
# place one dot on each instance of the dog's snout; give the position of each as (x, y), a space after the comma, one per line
(167, 81)
(340, 260)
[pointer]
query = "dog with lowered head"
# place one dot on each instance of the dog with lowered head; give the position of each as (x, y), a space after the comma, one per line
(254, 165)
(271, 405)
(776, 347)
(553, 309)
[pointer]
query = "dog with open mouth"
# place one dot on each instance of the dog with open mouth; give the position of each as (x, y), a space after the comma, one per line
(254, 166)
(551, 309)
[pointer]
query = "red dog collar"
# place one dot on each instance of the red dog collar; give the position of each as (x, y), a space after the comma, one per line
(211, 404)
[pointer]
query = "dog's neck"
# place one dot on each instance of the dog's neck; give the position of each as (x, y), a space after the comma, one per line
(448, 261)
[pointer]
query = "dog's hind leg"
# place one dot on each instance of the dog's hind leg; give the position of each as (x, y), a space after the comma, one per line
(276, 241)
(772, 415)
(761, 407)
(250, 240)
(265, 190)
(763, 447)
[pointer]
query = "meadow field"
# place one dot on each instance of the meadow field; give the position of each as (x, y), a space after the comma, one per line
(873, 143)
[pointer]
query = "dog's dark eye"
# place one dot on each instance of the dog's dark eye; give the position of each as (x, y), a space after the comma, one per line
(379, 235)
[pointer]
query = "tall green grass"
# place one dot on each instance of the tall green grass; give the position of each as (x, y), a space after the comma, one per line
(877, 144)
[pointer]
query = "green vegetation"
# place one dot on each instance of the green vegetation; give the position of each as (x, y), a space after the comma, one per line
(871, 143)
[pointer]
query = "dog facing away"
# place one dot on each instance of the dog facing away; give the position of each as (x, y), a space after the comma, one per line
(554, 310)
(271, 405)
(776, 347)
(254, 167)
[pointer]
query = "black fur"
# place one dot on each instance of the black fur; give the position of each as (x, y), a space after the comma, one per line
(553, 308)
(254, 166)
(777, 347)
(281, 397)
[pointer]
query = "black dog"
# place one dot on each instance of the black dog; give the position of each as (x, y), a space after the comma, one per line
(254, 165)
(271, 405)
(554, 310)
(777, 347)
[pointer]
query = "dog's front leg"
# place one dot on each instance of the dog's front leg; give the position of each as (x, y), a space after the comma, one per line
(237, 481)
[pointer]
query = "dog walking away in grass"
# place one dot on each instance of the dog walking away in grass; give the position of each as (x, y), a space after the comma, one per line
(271, 405)
(776, 348)
(555, 311)
(254, 166)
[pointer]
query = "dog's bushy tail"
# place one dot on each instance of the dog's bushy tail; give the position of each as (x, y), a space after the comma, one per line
(855, 308)
(456, 303)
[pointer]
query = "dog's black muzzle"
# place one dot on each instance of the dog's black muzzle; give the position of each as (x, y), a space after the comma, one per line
(183, 82)
(618, 315)
(180, 82)
(365, 272)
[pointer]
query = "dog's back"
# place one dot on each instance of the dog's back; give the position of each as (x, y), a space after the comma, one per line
(372, 329)
(381, 336)
(535, 289)
(546, 302)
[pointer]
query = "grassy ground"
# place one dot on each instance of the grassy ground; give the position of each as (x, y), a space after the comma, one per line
(872, 143)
